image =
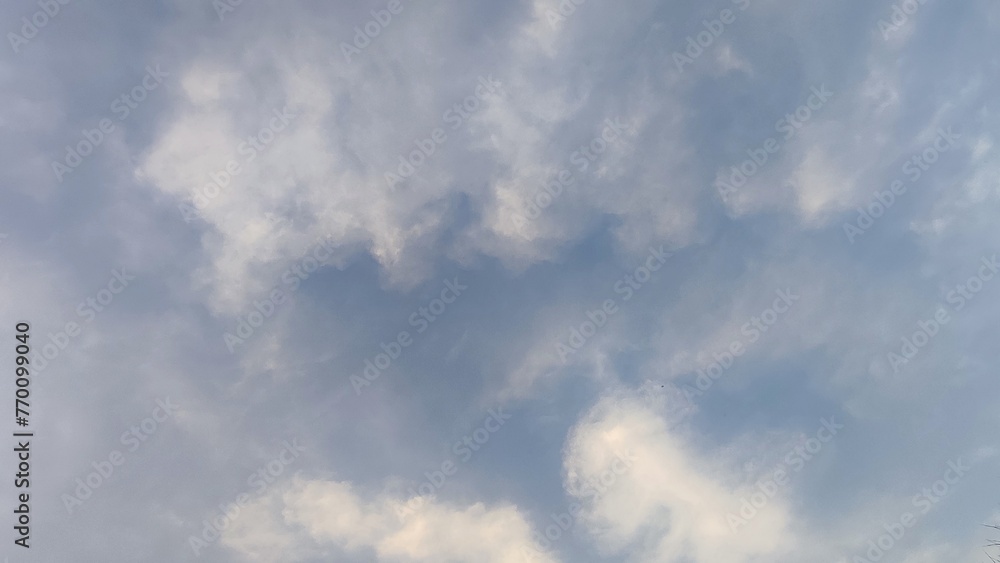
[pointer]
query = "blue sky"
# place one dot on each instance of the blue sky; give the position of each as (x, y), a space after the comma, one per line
(736, 259)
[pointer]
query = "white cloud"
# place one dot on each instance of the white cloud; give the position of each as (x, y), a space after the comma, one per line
(672, 503)
(322, 514)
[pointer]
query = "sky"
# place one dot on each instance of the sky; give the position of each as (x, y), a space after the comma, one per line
(529, 280)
